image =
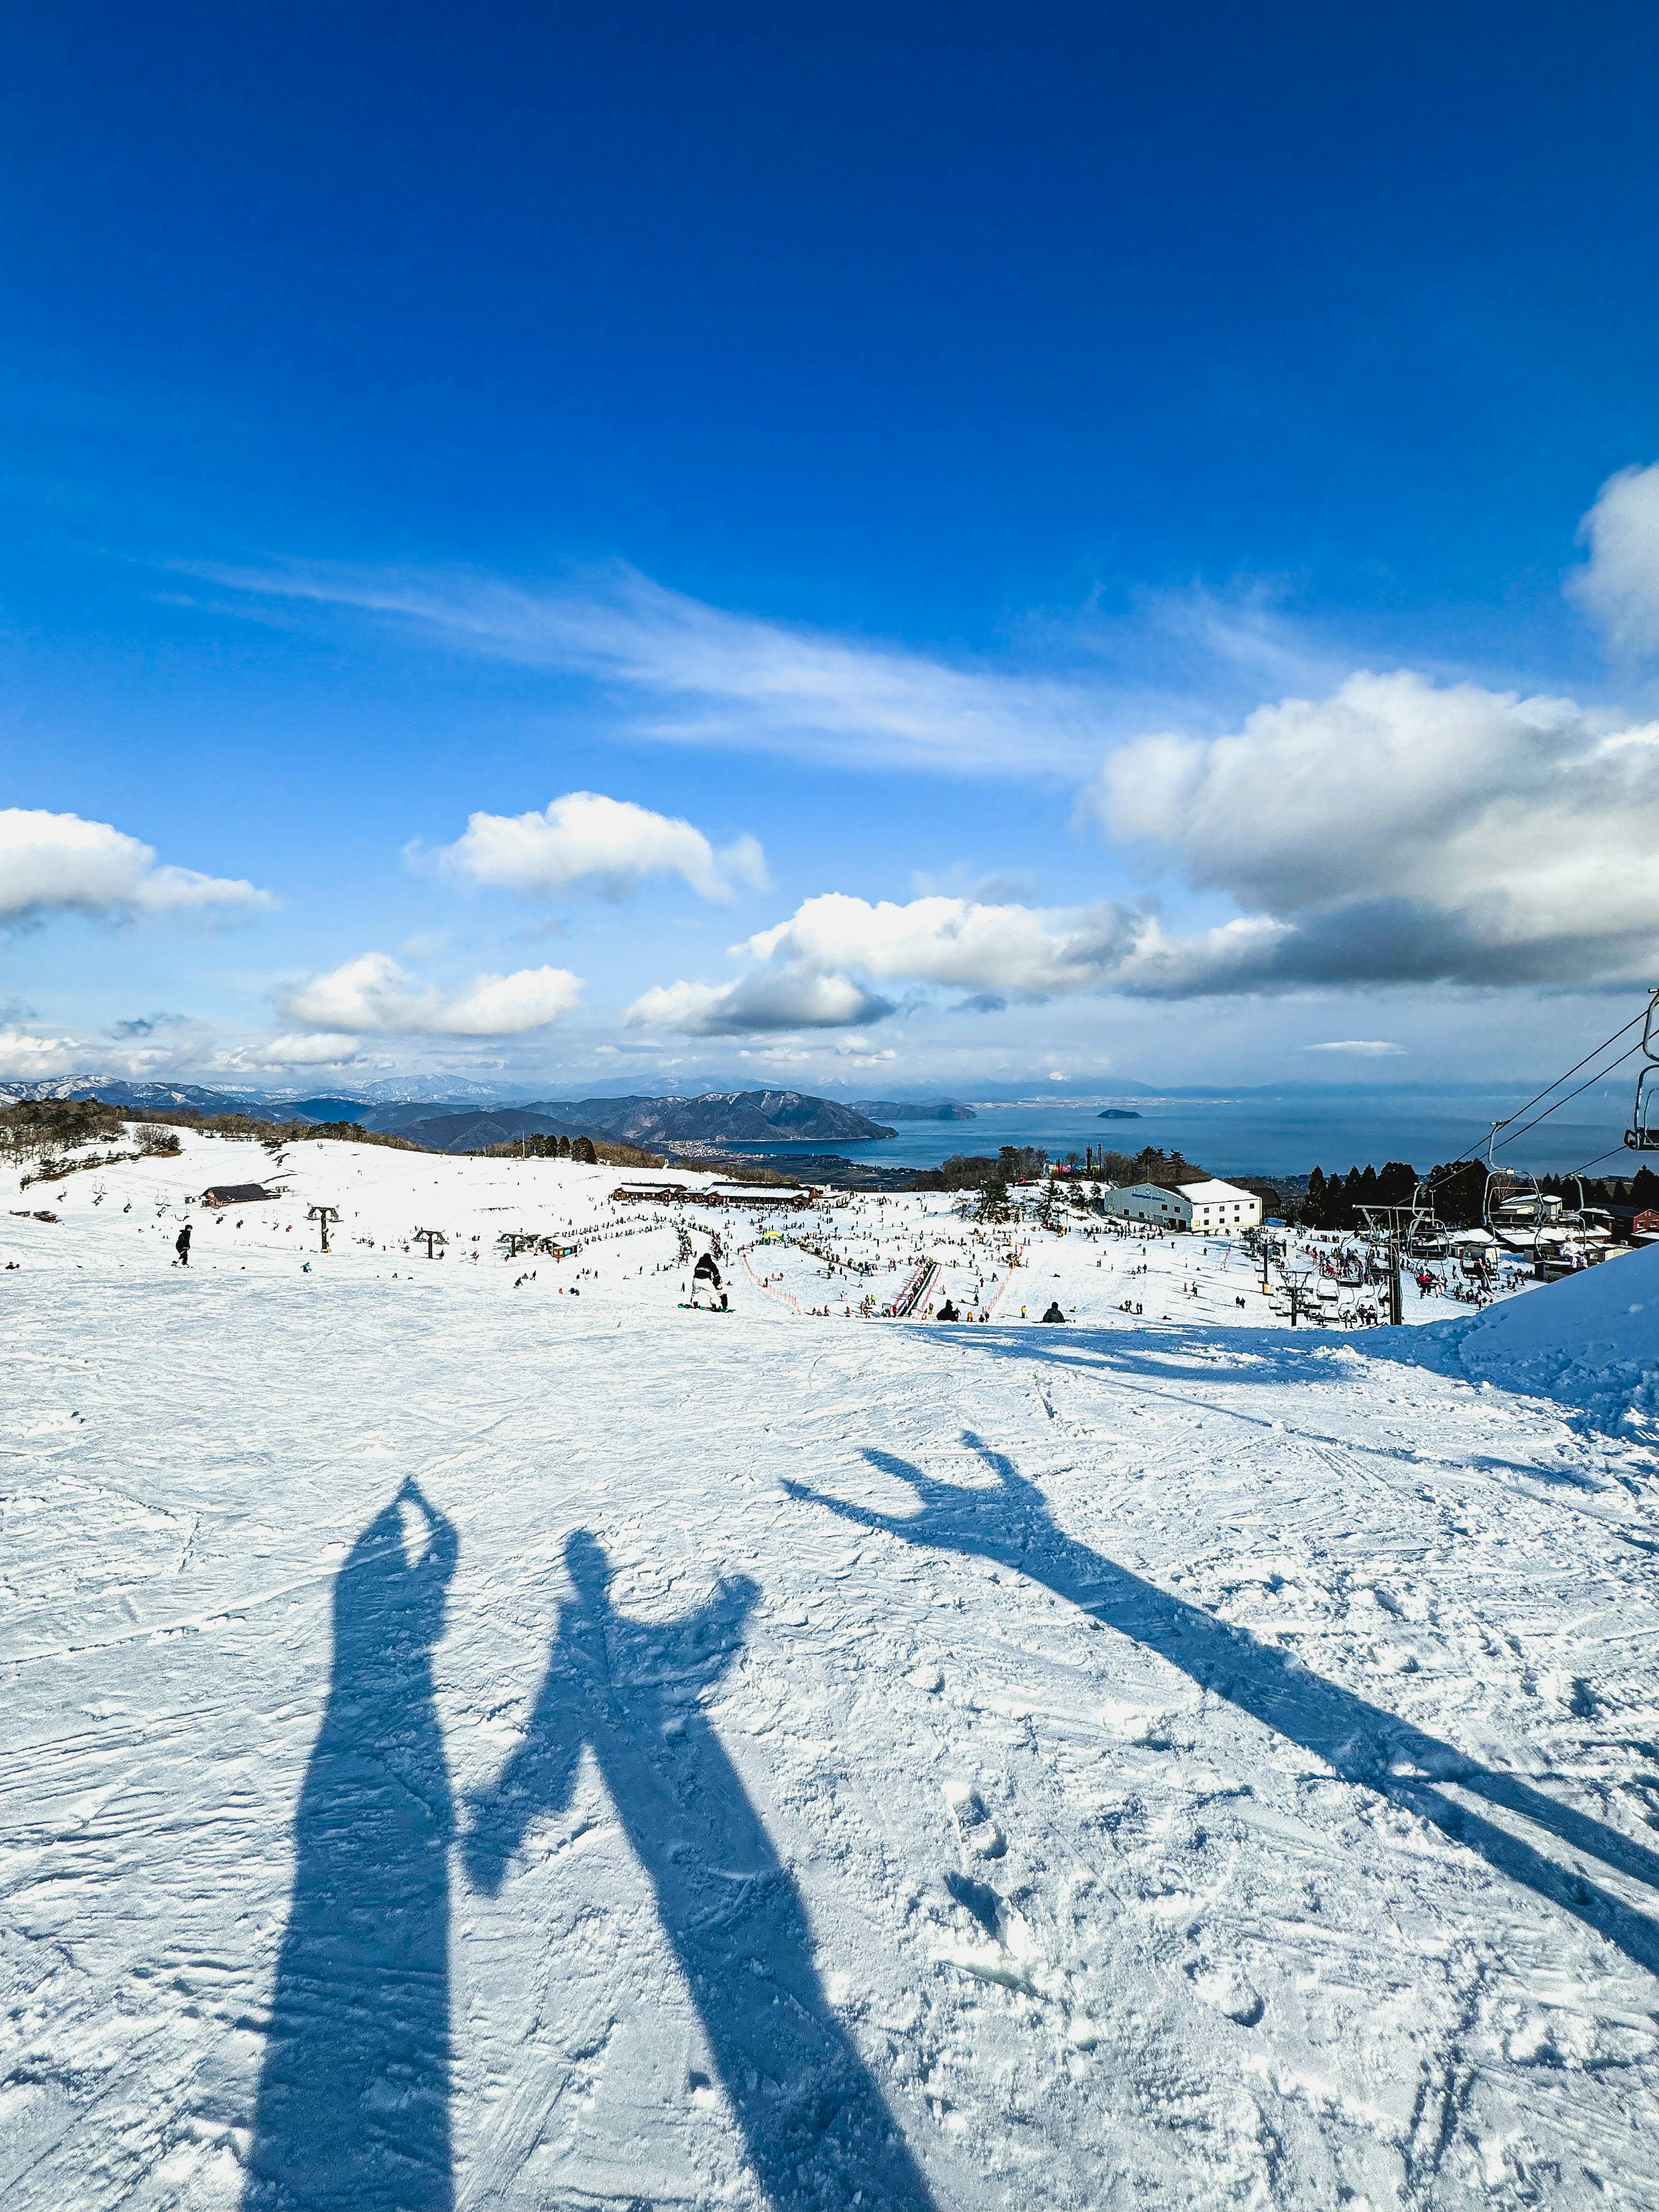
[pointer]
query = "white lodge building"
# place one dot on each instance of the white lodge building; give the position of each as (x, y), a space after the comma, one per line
(1208, 1208)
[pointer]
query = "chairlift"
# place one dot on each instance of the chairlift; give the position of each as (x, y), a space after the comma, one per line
(1590, 1225)
(1642, 1135)
(1512, 1206)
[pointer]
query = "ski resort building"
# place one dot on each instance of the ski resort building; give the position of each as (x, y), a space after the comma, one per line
(1210, 1208)
(757, 1193)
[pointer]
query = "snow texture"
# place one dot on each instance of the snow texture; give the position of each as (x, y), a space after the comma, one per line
(476, 1745)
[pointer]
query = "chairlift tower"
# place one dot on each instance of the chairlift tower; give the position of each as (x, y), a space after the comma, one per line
(431, 1236)
(322, 1215)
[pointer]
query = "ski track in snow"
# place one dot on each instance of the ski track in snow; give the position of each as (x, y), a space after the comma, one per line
(472, 1746)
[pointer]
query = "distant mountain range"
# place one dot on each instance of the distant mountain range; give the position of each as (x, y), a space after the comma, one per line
(465, 1125)
(117, 1093)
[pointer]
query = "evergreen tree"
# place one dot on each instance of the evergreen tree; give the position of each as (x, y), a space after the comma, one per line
(1459, 1191)
(1396, 1184)
(1312, 1209)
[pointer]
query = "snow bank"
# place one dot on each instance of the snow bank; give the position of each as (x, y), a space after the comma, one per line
(1590, 1340)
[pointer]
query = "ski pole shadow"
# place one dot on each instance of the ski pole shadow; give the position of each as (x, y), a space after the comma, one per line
(353, 2106)
(814, 2124)
(1010, 1522)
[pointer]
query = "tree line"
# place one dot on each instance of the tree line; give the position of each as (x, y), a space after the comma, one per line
(1458, 1190)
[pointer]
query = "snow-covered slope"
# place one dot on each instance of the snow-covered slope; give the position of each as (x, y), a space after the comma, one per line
(472, 1745)
(1593, 1343)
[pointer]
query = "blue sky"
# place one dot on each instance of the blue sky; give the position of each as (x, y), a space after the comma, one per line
(939, 446)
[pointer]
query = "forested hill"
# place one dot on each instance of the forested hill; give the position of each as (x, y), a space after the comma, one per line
(925, 1110)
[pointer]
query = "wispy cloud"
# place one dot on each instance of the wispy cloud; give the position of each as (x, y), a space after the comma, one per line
(689, 673)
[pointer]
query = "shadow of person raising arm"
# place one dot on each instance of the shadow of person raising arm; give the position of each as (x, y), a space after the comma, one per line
(352, 2111)
(814, 2124)
(1010, 1522)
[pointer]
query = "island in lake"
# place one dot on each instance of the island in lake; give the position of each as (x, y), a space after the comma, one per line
(1117, 1114)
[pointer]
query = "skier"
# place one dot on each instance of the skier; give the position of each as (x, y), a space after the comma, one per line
(181, 1245)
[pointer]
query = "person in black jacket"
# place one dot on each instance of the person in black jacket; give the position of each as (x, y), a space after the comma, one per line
(1054, 1312)
(181, 1245)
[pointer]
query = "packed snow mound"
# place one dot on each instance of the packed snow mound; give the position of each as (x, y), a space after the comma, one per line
(1590, 1340)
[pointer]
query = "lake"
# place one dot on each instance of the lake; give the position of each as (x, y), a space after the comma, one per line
(1257, 1134)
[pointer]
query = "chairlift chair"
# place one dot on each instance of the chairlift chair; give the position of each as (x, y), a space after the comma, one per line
(1512, 1206)
(1642, 1135)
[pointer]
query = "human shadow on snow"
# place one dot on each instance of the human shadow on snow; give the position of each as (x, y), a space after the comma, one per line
(1010, 1522)
(353, 2111)
(814, 2124)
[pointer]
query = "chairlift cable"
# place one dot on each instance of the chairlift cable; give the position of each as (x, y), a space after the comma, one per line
(1630, 1053)
(1617, 1154)
(1469, 1154)
(1585, 1062)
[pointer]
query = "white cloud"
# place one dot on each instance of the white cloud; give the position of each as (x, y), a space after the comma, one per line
(994, 952)
(372, 996)
(1360, 1047)
(1620, 583)
(315, 1049)
(1395, 832)
(1401, 831)
(754, 1004)
(609, 845)
(26, 1057)
(60, 864)
(702, 676)
(958, 942)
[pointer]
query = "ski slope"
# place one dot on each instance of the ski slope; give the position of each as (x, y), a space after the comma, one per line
(482, 1734)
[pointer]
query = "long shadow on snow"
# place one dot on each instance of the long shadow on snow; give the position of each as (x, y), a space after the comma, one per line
(1275, 1355)
(814, 2124)
(1012, 1524)
(352, 2111)
(1105, 1360)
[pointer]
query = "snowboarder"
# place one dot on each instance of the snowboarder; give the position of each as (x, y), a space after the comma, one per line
(948, 1312)
(181, 1245)
(706, 1276)
(1054, 1312)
